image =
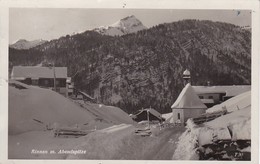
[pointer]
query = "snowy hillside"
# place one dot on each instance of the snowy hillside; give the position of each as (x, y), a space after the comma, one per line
(109, 114)
(33, 108)
(24, 44)
(124, 26)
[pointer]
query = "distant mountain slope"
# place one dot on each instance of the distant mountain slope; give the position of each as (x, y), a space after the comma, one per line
(24, 44)
(145, 69)
(124, 26)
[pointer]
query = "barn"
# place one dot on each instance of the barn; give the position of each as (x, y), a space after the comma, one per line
(143, 114)
(188, 105)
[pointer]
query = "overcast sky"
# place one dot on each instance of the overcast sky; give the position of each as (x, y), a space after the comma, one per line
(47, 24)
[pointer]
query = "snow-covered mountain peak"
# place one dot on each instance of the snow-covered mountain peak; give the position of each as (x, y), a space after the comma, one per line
(129, 24)
(24, 44)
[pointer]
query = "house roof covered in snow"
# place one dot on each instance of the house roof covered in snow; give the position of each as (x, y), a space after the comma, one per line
(240, 101)
(142, 115)
(152, 111)
(22, 72)
(231, 90)
(188, 99)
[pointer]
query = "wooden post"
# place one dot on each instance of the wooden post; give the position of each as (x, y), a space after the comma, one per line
(148, 119)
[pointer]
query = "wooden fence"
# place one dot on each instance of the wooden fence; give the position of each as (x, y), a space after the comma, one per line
(208, 117)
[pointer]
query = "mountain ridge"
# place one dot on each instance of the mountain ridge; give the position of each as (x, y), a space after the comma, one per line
(145, 69)
(25, 44)
(129, 24)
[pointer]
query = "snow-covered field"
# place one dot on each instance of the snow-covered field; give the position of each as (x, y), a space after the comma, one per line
(35, 112)
(39, 144)
(233, 126)
(35, 108)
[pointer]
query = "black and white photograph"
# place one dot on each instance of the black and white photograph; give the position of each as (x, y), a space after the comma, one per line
(129, 84)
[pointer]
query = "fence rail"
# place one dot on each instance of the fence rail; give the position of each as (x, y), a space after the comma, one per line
(208, 117)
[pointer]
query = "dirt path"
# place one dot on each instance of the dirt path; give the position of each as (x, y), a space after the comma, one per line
(167, 144)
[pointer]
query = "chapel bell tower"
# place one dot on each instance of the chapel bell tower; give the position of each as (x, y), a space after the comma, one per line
(186, 77)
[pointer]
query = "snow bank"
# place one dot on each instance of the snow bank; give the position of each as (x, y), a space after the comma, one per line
(241, 130)
(115, 128)
(238, 102)
(239, 122)
(103, 144)
(37, 108)
(20, 146)
(167, 115)
(233, 126)
(195, 136)
(186, 147)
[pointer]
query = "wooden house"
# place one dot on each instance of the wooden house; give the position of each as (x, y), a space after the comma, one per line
(46, 77)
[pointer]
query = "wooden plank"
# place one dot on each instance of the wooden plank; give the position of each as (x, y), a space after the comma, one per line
(72, 132)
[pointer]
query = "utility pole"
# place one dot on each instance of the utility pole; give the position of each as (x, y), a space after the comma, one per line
(54, 74)
(148, 119)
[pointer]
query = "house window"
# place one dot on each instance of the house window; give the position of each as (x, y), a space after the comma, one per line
(46, 82)
(201, 97)
(57, 83)
(210, 97)
(34, 81)
(179, 116)
(61, 82)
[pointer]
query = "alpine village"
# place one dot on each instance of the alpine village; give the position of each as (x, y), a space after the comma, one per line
(175, 91)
